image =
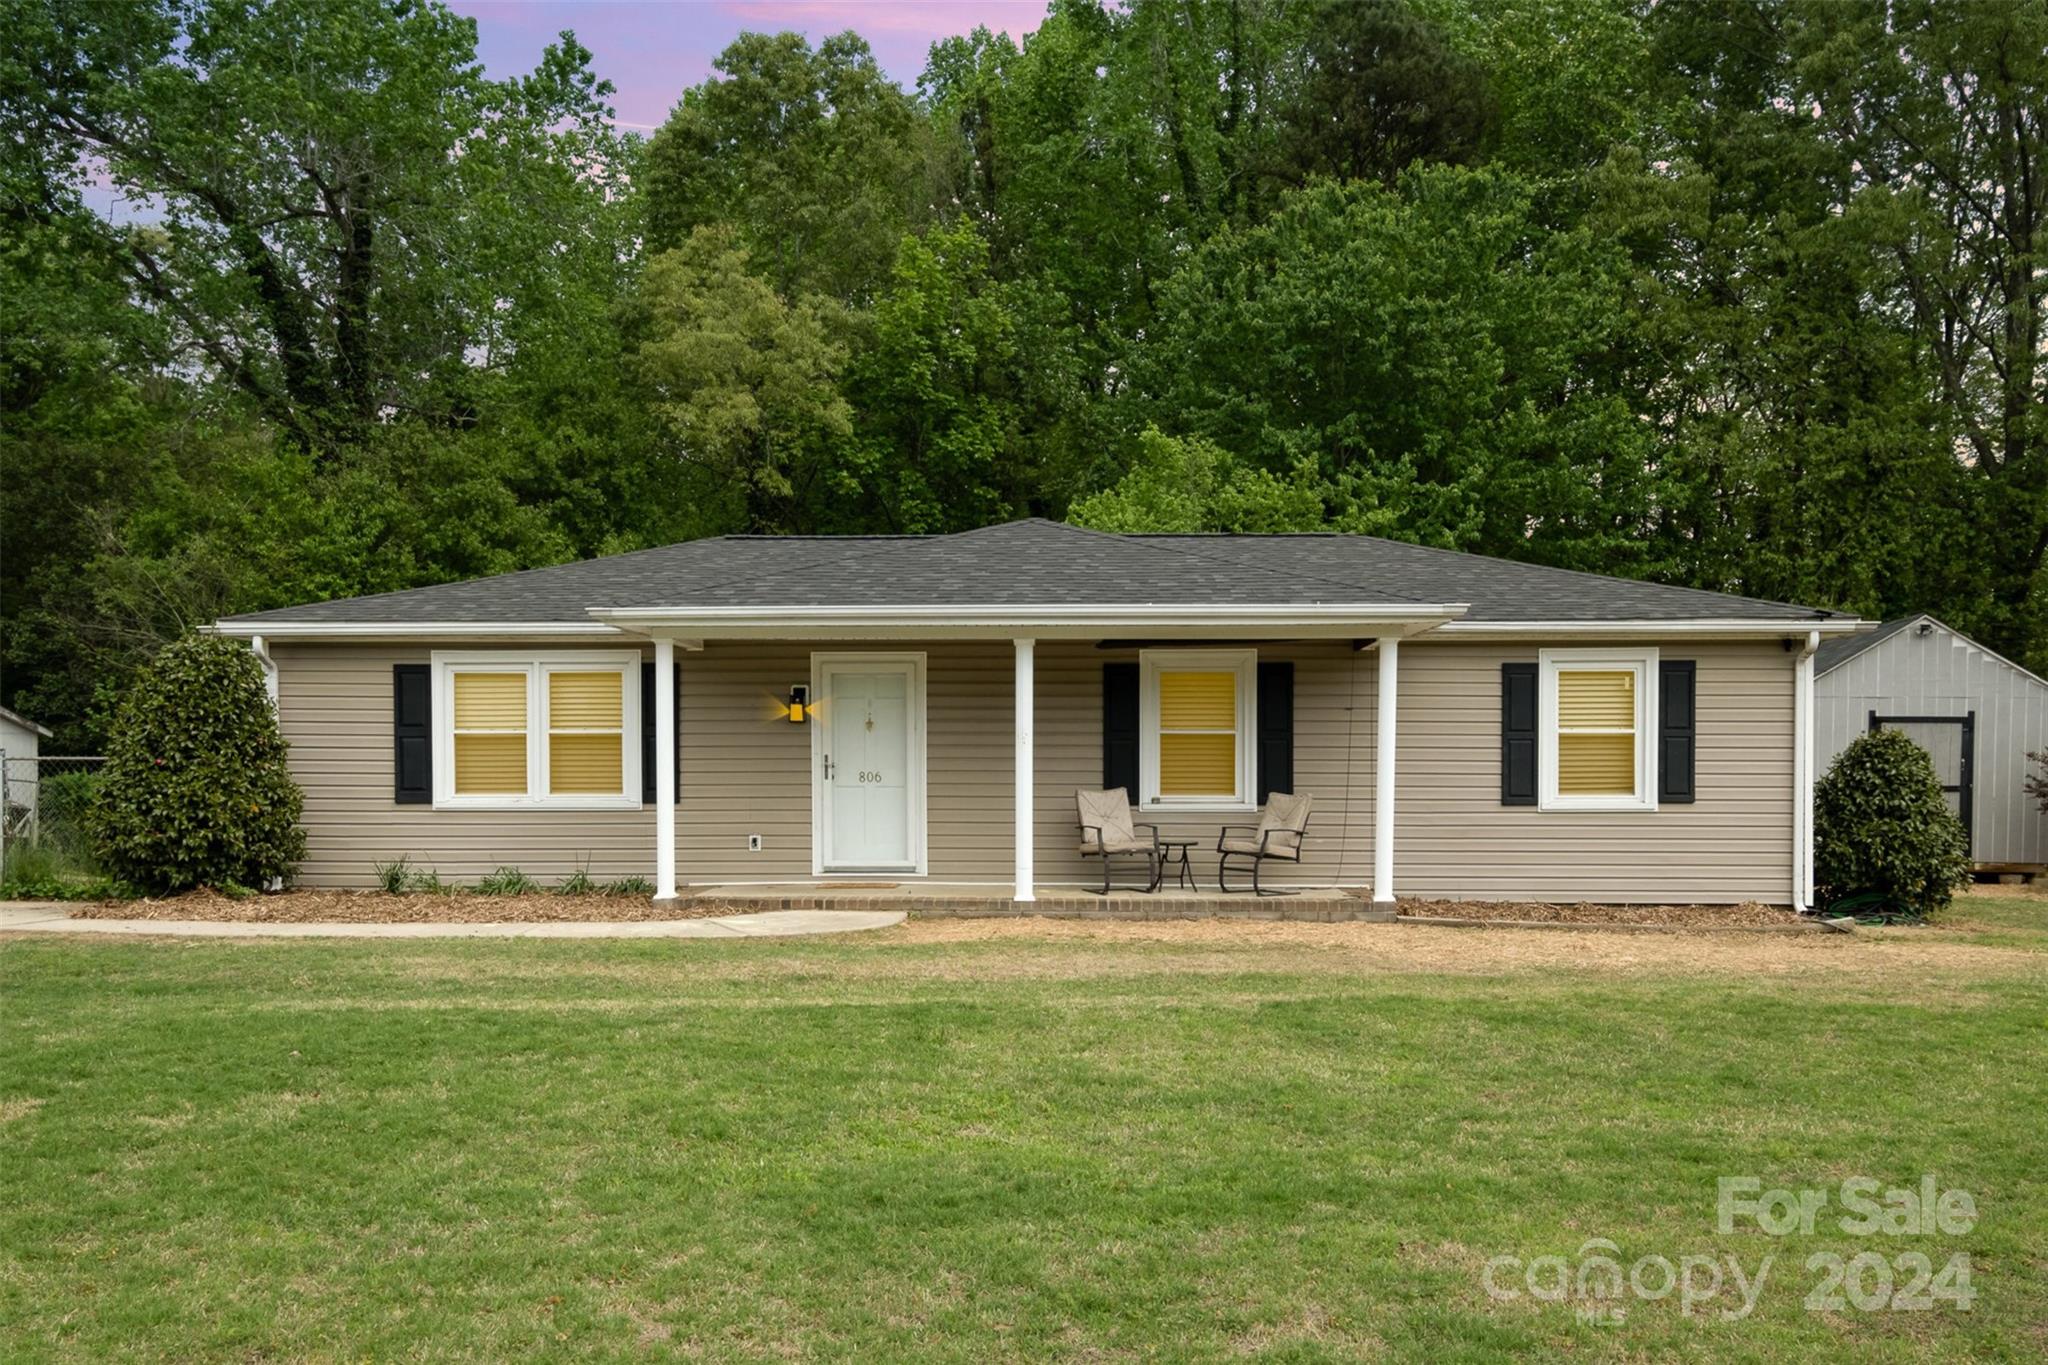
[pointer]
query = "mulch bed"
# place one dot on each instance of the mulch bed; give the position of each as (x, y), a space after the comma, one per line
(1745, 916)
(381, 907)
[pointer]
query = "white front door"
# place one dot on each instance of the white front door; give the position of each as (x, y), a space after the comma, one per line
(869, 742)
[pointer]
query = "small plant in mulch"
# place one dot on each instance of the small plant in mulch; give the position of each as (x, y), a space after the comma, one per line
(394, 878)
(629, 886)
(506, 881)
(1885, 844)
(577, 883)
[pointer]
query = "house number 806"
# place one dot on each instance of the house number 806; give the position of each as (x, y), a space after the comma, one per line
(870, 777)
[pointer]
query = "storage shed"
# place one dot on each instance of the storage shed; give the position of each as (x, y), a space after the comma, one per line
(21, 742)
(1976, 713)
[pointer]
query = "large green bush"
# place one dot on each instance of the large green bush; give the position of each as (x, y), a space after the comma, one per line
(195, 791)
(1882, 827)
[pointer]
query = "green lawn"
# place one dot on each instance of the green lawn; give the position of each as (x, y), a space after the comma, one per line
(1037, 1144)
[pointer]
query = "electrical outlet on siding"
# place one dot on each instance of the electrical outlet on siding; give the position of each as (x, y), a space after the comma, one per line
(753, 843)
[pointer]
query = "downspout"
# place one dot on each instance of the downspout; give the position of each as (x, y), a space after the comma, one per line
(262, 653)
(1802, 774)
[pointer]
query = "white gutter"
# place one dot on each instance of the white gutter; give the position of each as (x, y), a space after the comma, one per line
(407, 630)
(1802, 774)
(1758, 630)
(262, 653)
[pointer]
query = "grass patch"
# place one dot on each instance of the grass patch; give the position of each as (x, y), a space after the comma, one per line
(2016, 921)
(51, 869)
(890, 1148)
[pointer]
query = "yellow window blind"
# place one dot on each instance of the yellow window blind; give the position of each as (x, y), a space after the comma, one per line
(1596, 765)
(490, 701)
(586, 720)
(1197, 765)
(1596, 737)
(1589, 700)
(490, 734)
(1198, 701)
(584, 701)
(1198, 733)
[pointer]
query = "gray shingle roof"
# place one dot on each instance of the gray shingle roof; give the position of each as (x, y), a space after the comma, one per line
(1834, 653)
(1036, 562)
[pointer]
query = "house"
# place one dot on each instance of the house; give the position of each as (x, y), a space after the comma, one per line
(812, 709)
(1977, 715)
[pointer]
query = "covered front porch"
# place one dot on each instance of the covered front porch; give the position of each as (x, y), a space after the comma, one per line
(1000, 731)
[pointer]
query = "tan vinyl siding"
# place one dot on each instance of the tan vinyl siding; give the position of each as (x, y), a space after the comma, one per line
(1453, 838)
(334, 703)
(745, 769)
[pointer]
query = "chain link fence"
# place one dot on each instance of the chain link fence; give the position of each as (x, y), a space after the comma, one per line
(43, 803)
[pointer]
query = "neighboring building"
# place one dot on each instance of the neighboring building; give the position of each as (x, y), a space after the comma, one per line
(21, 742)
(807, 709)
(1977, 714)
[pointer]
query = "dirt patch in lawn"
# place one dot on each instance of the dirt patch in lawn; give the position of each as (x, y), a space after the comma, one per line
(1239, 945)
(381, 907)
(1747, 916)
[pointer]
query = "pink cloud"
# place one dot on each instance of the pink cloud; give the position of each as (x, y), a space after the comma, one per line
(652, 52)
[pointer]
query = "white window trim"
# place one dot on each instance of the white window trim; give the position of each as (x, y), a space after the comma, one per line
(1245, 663)
(1643, 663)
(536, 665)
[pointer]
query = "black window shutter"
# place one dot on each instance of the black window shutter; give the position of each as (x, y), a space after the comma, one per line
(1677, 730)
(1120, 729)
(412, 735)
(1518, 734)
(647, 719)
(1276, 729)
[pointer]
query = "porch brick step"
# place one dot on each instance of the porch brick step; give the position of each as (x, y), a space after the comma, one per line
(1320, 909)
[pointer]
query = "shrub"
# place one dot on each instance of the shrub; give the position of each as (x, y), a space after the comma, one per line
(195, 791)
(1882, 828)
(629, 886)
(2036, 783)
(577, 883)
(506, 881)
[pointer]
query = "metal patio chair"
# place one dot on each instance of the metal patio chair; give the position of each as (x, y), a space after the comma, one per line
(1282, 827)
(1107, 831)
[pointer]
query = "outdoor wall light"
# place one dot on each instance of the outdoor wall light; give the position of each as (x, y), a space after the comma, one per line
(799, 704)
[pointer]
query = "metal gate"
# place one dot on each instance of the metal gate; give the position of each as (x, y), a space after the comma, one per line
(1953, 754)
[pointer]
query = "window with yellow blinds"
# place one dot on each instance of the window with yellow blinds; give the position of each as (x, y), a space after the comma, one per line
(1597, 710)
(490, 733)
(1197, 734)
(556, 728)
(1596, 732)
(1197, 705)
(586, 732)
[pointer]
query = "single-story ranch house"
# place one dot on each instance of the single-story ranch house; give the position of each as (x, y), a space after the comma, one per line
(812, 709)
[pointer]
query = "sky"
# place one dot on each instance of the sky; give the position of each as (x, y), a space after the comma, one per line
(652, 49)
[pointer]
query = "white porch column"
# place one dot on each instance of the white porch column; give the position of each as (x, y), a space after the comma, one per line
(1802, 774)
(664, 770)
(1383, 775)
(1025, 682)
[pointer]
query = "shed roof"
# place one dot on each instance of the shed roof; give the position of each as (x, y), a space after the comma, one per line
(24, 722)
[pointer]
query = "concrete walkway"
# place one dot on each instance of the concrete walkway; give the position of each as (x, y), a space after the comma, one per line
(49, 917)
